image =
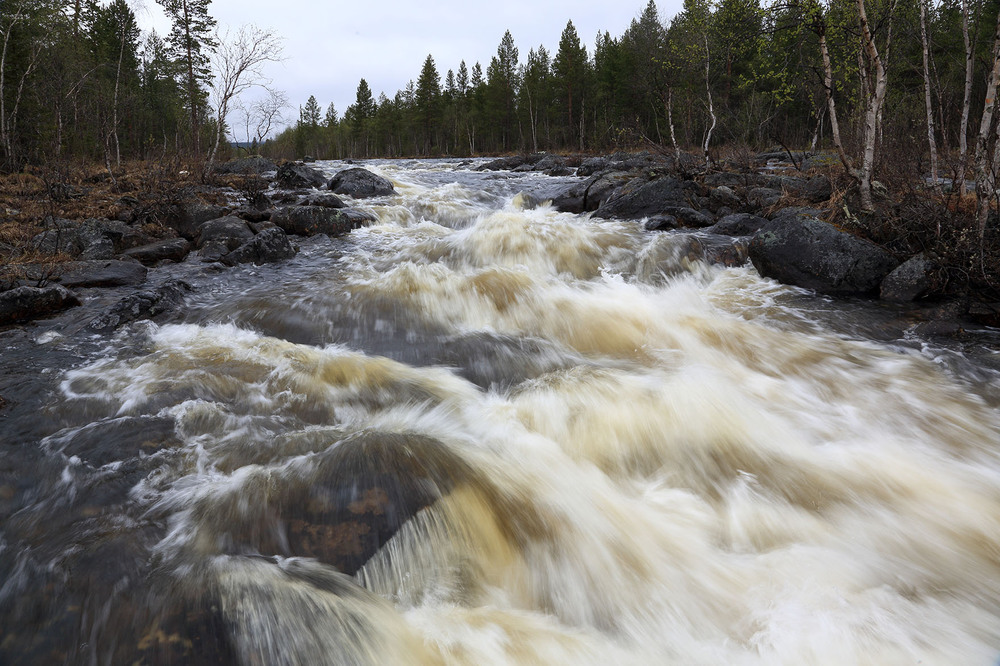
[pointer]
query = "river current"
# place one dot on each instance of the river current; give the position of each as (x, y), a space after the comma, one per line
(481, 431)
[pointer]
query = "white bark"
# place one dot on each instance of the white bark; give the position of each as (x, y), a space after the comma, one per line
(931, 141)
(873, 107)
(711, 109)
(963, 132)
(985, 176)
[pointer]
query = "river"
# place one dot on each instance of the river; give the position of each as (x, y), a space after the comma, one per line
(484, 432)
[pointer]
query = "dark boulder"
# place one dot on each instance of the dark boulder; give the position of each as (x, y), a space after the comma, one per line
(817, 189)
(291, 176)
(592, 166)
(312, 220)
(737, 224)
(644, 199)
(689, 217)
(913, 279)
(763, 197)
(361, 184)
(269, 246)
(722, 197)
(142, 305)
(662, 223)
(59, 236)
(172, 249)
(187, 216)
(810, 253)
(590, 194)
(324, 200)
(27, 303)
(229, 231)
(108, 273)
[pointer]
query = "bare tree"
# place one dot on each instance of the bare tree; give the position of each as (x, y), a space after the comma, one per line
(239, 66)
(263, 114)
(874, 99)
(963, 131)
(931, 141)
(985, 175)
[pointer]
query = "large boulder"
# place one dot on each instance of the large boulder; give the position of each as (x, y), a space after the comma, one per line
(324, 200)
(591, 193)
(361, 184)
(187, 216)
(291, 176)
(229, 231)
(646, 199)
(817, 189)
(312, 220)
(142, 305)
(913, 279)
(90, 239)
(172, 249)
(738, 224)
(27, 303)
(269, 246)
(810, 253)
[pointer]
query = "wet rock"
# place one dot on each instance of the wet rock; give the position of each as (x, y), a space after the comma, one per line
(809, 253)
(688, 217)
(229, 231)
(291, 176)
(247, 165)
(252, 215)
(361, 184)
(820, 161)
(59, 236)
(101, 248)
(187, 216)
(28, 303)
(172, 249)
(737, 224)
(796, 212)
(312, 220)
(324, 200)
(662, 223)
(645, 199)
(269, 246)
(109, 273)
(592, 165)
(913, 279)
(590, 194)
(985, 313)
(512, 163)
(142, 305)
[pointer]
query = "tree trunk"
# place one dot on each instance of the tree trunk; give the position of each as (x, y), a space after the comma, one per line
(670, 121)
(963, 131)
(873, 108)
(711, 110)
(932, 143)
(985, 178)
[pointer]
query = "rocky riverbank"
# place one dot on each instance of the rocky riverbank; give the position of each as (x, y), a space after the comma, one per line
(787, 218)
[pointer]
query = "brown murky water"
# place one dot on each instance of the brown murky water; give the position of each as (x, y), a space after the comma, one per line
(476, 433)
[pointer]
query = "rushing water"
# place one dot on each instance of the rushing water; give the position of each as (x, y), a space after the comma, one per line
(482, 432)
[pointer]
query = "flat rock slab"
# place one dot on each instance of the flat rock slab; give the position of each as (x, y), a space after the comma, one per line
(109, 273)
(292, 176)
(173, 249)
(142, 305)
(312, 220)
(269, 246)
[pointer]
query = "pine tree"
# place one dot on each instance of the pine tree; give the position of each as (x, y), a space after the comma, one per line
(427, 101)
(571, 70)
(191, 40)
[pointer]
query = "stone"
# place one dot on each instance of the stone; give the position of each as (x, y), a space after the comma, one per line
(324, 200)
(817, 189)
(592, 165)
(662, 223)
(172, 249)
(230, 231)
(644, 199)
(688, 217)
(737, 224)
(142, 305)
(590, 194)
(361, 184)
(292, 176)
(269, 246)
(810, 253)
(722, 196)
(311, 220)
(763, 197)
(24, 304)
(110, 273)
(913, 279)
(187, 216)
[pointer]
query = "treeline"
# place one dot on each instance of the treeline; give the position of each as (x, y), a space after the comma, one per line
(734, 72)
(78, 79)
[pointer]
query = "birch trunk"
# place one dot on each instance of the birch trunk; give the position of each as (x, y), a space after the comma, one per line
(931, 142)
(963, 131)
(711, 109)
(873, 108)
(985, 177)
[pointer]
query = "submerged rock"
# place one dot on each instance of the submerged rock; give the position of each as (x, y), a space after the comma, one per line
(810, 253)
(361, 184)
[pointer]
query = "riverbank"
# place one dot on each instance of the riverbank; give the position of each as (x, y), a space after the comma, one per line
(791, 215)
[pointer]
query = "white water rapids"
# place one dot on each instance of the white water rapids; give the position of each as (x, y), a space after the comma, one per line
(622, 455)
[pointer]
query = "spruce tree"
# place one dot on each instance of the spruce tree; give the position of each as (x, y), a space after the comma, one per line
(191, 40)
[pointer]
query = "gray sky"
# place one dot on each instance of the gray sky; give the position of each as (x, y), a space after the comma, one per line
(329, 47)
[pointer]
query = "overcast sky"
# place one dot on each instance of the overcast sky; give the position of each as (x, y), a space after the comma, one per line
(329, 47)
